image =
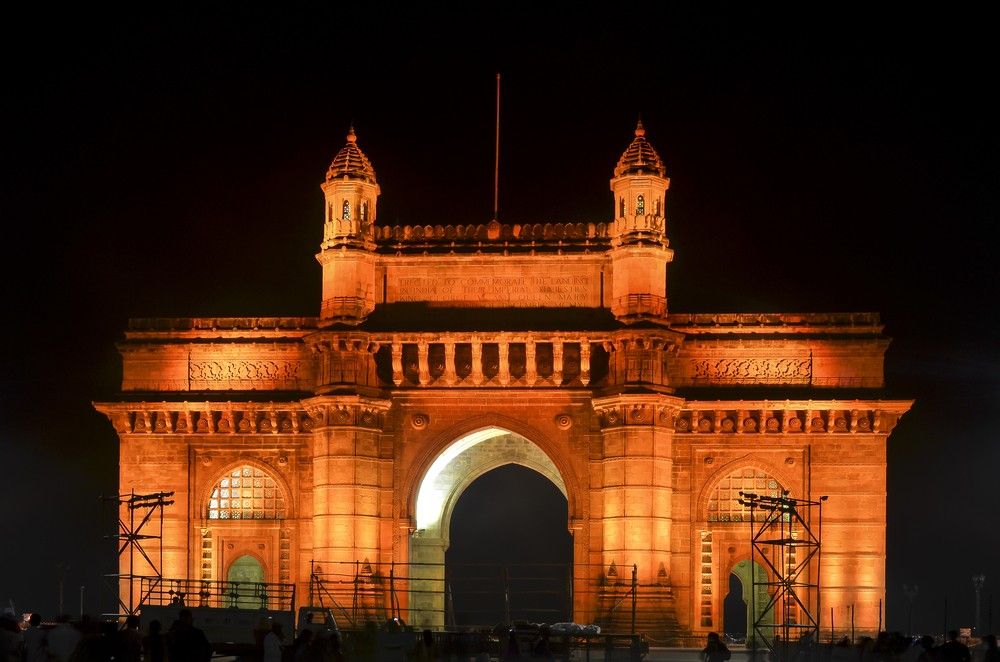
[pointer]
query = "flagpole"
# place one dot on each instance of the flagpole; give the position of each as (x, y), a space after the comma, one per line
(496, 160)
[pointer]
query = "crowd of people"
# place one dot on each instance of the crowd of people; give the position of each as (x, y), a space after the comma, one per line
(886, 647)
(90, 640)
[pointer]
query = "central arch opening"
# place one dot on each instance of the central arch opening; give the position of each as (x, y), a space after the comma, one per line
(511, 555)
(458, 468)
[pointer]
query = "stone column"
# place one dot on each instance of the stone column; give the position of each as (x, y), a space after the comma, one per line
(350, 473)
(449, 375)
(585, 362)
(504, 368)
(397, 362)
(530, 367)
(632, 483)
(423, 369)
(477, 362)
(557, 361)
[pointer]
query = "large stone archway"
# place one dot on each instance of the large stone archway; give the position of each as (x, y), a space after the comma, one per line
(442, 484)
(440, 352)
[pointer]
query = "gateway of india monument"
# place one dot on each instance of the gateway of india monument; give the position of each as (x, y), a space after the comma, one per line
(297, 448)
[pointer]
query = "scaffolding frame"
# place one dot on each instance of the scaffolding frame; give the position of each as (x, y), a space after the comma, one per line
(142, 510)
(780, 527)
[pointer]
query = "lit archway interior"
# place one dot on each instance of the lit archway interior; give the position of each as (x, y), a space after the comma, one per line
(451, 473)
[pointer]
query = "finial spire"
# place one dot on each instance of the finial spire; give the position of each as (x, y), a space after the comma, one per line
(350, 134)
(640, 131)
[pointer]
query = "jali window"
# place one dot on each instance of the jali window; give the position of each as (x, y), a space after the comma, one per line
(247, 493)
(640, 205)
(724, 504)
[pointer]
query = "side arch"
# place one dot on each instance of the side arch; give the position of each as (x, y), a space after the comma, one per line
(747, 461)
(205, 491)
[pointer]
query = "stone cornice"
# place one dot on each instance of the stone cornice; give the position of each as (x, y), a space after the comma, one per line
(225, 418)
(751, 416)
(695, 324)
(790, 416)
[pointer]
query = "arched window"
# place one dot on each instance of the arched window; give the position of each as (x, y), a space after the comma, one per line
(640, 205)
(659, 209)
(364, 211)
(247, 493)
(621, 207)
(724, 505)
(346, 213)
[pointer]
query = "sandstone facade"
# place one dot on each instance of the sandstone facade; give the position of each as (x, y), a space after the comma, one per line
(444, 351)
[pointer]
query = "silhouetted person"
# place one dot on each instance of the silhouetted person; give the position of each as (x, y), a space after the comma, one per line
(10, 638)
(301, 645)
(715, 650)
(186, 642)
(154, 644)
(63, 639)
(128, 642)
(926, 646)
(511, 652)
(953, 650)
(425, 649)
(991, 653)
(272, 643)
(542, 647)
(36, 646)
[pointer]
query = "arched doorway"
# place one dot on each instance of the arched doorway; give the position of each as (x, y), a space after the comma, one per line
(510, 556)
(744, 575)
(443, 483)
(246, 575)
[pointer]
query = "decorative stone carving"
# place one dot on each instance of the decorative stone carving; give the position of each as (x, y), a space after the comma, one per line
(728, 424)
(772, 424)
(755, 370)
(419, 421)
(564, 421)
(221, 374)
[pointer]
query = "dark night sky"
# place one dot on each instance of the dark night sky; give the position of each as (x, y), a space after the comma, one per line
(166, 162)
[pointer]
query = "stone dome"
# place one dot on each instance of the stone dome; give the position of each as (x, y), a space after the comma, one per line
(640, 158)
(351, 162)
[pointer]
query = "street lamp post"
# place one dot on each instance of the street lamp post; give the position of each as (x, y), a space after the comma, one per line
(977, 583)
(911, 593)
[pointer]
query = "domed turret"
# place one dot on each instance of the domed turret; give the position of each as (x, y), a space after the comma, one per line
(640, 158)
(640, 252)
(347, 252)
(351, 162)
(640, 186)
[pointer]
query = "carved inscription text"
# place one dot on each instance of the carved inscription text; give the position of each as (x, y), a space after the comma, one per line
(501, 291)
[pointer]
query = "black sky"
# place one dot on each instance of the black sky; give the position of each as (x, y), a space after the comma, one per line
(165, 161)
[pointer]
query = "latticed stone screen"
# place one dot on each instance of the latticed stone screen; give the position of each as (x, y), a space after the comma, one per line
(246, 493)
(724, 505)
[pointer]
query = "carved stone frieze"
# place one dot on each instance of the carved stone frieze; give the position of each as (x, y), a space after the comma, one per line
(226, 374)
(759, 370)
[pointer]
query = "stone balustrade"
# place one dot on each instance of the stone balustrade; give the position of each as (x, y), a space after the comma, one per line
(473, 360)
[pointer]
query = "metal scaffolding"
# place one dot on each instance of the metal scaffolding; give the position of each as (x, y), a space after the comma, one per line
(142, 510)
(785, 546)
